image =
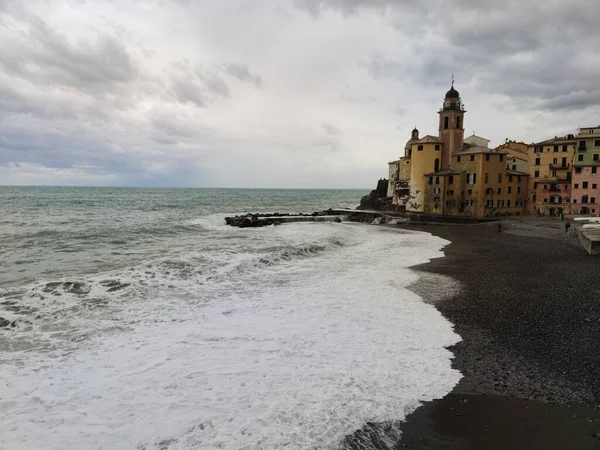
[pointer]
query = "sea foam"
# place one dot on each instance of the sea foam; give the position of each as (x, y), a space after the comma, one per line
(294, 342)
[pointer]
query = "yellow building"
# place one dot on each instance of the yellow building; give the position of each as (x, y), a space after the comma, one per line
(550, 165)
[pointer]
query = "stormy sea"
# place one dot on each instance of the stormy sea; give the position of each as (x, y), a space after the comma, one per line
(136, 319)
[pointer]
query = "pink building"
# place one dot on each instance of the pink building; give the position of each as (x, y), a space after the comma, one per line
(585, 195)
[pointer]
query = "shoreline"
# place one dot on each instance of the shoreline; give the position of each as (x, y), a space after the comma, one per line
(529, 317)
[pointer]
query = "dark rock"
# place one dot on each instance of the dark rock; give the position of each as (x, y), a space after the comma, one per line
(76, 288)
(118, 287)
(4, 322)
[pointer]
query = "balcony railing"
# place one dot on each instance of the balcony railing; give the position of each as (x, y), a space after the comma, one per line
(560, 166)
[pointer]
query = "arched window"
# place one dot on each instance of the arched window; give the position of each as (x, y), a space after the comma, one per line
(458, 122)
(409, 152)
(446, 122)
(436, 165)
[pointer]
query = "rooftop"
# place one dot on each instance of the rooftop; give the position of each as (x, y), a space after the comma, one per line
(473, 149)
(428, 139)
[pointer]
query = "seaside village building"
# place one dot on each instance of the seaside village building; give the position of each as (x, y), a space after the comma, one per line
(450, 175)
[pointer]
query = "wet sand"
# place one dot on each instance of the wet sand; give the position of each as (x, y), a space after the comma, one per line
(528, 310)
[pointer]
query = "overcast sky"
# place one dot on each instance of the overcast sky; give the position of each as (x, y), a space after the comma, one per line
(277, 93)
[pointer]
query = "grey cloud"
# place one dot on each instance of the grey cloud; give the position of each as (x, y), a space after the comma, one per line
(44, 56)
(214, 83)
(242, 72)
(573, 100)
(347, 7)
(536, 49)
(331, 129)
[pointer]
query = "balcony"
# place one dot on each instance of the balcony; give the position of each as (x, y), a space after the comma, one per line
(560, 166)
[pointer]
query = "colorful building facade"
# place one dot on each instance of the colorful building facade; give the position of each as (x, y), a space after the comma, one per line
(550, 174)
(585, 196)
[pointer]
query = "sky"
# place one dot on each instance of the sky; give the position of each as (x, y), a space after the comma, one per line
(277, 93)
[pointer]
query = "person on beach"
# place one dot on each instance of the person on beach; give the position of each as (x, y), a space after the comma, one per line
(567, 226)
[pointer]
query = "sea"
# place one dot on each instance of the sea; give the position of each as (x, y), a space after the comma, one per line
(134, 318)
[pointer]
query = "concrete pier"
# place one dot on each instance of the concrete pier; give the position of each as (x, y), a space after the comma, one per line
(590, 239)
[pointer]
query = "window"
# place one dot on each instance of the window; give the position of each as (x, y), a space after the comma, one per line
(450, 179)
(595, 157)
(458, 159)
(574, 200)
(534, 197)
(556, 148)
(508, 203)
(577, 169)
(514, 167)
(500, 203)
(501, 158)
(584, 199)
(510, 179)
(450, 192)
(518, 189)
(537, 174)
(510, 189)
(437, 180)
(420, 147)
(584, 185)
(582, 146)
(486, 178)
(537, 161)
(490, 203)
(458, 122)
(594, 169)
(436, 190)
(564, 148)
(499, 178)
(554, 160)
(430, 180)
(579, 157)
(472, 177)
(487, 156)
(597, 143)
(576, 186)
(594, 186)
(409, 152)
(499, 191)
(472, 157)
(437, 146)
(436, 165)
(446, 122)
(563, 162)
(592, 199)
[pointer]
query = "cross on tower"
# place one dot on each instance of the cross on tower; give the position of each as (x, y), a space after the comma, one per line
(452, 80)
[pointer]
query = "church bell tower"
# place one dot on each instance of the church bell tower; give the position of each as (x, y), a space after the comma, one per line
(451, 131)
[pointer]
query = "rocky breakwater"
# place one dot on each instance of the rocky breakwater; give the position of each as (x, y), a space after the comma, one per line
(265, 219)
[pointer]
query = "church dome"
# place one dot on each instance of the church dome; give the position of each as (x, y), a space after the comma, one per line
(410, 142)
(452, 93)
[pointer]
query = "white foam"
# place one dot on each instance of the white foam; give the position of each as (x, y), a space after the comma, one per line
(295, 355)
